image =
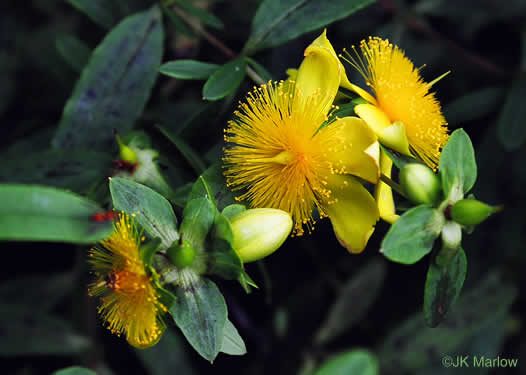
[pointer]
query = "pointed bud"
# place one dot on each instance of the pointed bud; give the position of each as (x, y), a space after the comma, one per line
(471, 211)
(182, 254)
(259, 232)
(420, 183)
(125, 152)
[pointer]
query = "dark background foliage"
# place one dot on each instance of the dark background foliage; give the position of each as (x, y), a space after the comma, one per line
(285, 323)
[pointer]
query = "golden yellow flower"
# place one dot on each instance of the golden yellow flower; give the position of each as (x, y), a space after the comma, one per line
(282, 158)
(129, 301)
(403, 113)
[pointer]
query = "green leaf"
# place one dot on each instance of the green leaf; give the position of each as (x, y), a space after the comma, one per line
(511, 129)
(474, 105)
(222, 260)
(357, 361)
(168, 354)
(179, 23)
(148, 250)
(115, 85)
(68, 169)
(99, 11)
(232, 343)
(26, 333)
(216, 182)
(457, 167)
(75, 370)
(202, 15)
(412, 236)
(189, 154)
(73, 50)
(353, 301)
(188, 69)
(40, 213)
(259, 69)
(277, 22)
(198, 219)
(153, 212)
(443, 286)
(201, 314)
(225, 80)
(232, 210)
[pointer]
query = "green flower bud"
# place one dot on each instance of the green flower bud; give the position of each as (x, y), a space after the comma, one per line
(420, 183)
(182, 254)
(125, 152)
(471, 211)
(259, 232)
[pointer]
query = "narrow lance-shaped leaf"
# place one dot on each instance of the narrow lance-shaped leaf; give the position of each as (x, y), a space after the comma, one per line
(198, 218)
(188, 69)
(73, 50)
(153, 212)
(99, 11)
(225, 80)
(232, 343)
(511, 129)
(115, 85)
(41, 213)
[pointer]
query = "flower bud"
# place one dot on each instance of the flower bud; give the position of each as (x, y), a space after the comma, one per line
(420, 183)
(125, 152)
(471, 211)
(181, 254)
(259, 232)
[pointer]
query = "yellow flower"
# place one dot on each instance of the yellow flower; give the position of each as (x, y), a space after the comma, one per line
(129, 302)
(403, 113)
(279, 153)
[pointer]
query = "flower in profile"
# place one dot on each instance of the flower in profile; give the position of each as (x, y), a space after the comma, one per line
(285, 154)
(403, 113)
(129, 301)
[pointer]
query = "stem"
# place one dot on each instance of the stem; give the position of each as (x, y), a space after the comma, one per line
(396, 187)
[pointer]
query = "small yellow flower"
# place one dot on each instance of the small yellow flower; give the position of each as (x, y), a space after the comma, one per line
(283, 159)
(403, 113)
(129, 302)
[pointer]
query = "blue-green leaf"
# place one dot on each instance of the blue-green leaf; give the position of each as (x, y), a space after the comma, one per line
(188, 69)
(225, 80)
(357, 361)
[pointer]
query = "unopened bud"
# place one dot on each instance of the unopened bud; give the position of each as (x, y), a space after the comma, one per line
(181, 254)
(259, 232)
(125, 152)
(420, 183)
(471, 211)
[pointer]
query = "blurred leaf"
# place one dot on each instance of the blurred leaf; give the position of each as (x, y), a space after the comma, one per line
(474, 105)
(225, 80)
(277, 22)
(179, 23)
(259, 69)
(169, 354)
(216, 181)
(189, 154)
(198, 218)
(188, 69)
(115, 85)
(75, 170)
(24, 332)
(202, 15)
(73, 50)
(153, 212)
(40, 213)
(511, 129)
(99, 11)
(352, 302)
(75, 370)
(356, 362)
(442, 288)
(39, 293)
(232, 344)
(457, 167)
(412, 236)
(200, 312)
(413, 345)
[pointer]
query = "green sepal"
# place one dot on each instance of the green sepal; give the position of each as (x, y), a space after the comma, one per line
(443, 286)
(232, 210)
(412, 236)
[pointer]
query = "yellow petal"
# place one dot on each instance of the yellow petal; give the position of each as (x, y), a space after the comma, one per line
(319, 73)
(384, 194)
(395, 137)
(292, 73)
(358, 152)
(373, 116)
(352, 211)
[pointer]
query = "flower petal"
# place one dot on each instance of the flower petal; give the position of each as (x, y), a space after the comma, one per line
(360, 153)
(384, 194)
(319, 73)
(373, 116)
(395, 137)
(352, 211)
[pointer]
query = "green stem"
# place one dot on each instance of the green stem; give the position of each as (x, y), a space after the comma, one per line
(396, 187)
